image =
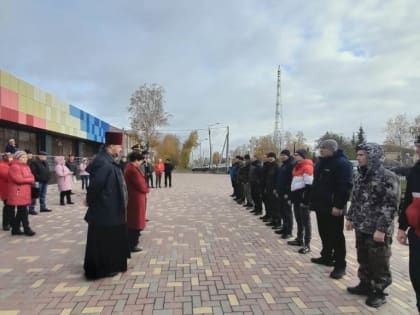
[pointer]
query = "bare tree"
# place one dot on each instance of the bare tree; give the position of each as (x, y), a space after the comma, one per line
(415, 127)
(146, 109)
(398, 131)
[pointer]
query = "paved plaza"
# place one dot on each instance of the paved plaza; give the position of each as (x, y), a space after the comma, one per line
(203, 254)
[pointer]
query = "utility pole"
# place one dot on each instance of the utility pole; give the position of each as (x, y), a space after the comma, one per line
(278, 122)
(227, 149)
(210, 160)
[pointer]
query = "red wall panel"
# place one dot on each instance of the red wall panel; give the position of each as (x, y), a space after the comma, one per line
(9, 99)
(9, 114)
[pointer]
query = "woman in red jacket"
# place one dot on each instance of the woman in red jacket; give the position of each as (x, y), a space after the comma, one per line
(136, 208)
(19, 184)
(8, 213)
(159, 168)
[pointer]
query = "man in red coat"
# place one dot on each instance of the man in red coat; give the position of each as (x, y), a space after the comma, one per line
(8, 211)
(137, 190)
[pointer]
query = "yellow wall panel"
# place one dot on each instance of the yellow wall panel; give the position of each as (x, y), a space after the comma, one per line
(52, 126)
(2, 78)
(48, 112)
(42, 110)
(53, 113)
(13, 83)
(5, 80)
(29, 90)
(22, 103)
(48, 99)
(21, 87)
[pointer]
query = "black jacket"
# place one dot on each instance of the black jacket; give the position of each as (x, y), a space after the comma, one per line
(72, 166)
(285, 176)
(413, 185)
(107, 195)
(168, 167)
(333, 181)
(255, 173)
(40, 170)
(271, 177)
(10, 148)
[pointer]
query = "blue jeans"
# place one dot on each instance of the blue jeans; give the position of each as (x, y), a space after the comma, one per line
(42, 194)
(85, 181)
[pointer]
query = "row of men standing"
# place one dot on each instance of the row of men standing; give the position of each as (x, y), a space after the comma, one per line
(326, 188)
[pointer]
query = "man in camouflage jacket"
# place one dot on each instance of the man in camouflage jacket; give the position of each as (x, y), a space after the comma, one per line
(373, 207)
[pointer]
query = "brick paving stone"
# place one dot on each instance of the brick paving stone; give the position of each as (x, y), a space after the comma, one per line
(202, 252)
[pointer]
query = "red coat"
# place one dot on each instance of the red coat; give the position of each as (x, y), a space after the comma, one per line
(137, 190)
(4, 175)
(19, 184)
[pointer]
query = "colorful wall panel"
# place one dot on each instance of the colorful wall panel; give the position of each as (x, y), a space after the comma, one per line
(27, 105)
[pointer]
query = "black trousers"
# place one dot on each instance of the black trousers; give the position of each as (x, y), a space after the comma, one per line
(303, 221)
(21, 217)
(287, 215)
(149, 180)
(270, 206)
(158, 180)
(240, 193)
(66, 194)
(373, 258)
(256, 196)
(133, 238)
(330, 230)
(168, 179)
(414, 263)
(8, 214)
(277, 210)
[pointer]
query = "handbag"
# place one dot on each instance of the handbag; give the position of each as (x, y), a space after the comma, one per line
(35, 190)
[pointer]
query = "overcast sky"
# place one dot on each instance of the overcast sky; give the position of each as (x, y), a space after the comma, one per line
(344, 63)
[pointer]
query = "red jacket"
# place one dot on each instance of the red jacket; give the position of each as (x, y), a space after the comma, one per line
(19, 184)
(137, 190)
(4, 175)
(159, 168)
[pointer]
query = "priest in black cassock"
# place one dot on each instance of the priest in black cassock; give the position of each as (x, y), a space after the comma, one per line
(107, 247)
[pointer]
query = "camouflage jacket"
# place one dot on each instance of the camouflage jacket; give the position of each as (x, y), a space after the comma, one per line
(376, 194)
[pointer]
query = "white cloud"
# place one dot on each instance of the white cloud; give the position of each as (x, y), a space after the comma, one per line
(345, 63)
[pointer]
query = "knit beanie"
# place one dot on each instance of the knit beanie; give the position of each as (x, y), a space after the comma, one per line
(18, 154)
(302, 153)
(329, 144)
(285, 152)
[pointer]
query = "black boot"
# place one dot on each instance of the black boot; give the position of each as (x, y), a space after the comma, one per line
(362, 288)
(68, 197)
(338, 272)
(376, 298)
(323, 261)
(25, 222)
(295, 242)
(304, 250)
(18, 218)
(28, 232)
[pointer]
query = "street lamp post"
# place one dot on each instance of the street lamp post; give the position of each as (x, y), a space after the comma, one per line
(211, 158)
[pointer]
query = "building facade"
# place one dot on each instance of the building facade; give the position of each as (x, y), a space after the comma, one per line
(38, 121)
